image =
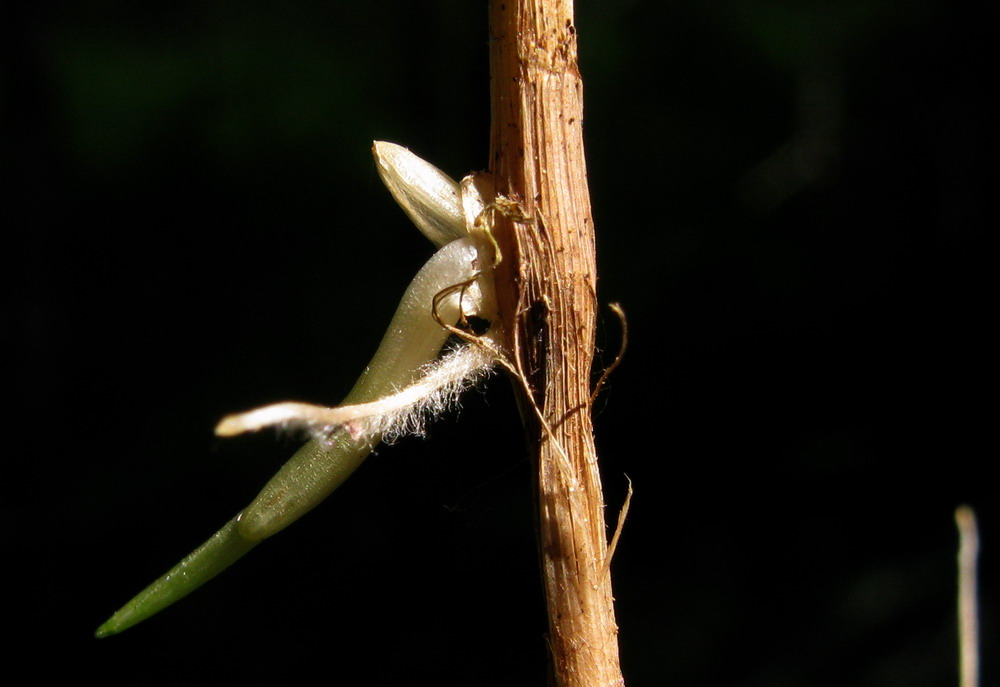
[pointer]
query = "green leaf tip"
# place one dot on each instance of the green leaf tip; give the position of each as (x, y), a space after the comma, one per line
(106, 630)
(223, 549)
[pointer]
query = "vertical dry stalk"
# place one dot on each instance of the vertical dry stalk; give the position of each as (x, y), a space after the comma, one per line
(968, 602)
(546, 289)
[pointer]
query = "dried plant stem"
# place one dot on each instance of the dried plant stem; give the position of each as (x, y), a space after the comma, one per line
(547, 299)
(968, 620)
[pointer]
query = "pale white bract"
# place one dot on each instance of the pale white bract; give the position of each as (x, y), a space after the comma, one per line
(406, 383)
(429, 197)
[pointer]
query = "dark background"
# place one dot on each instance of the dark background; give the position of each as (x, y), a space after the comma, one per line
(790, 200)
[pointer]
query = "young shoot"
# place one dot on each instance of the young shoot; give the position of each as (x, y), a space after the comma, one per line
(408, 381)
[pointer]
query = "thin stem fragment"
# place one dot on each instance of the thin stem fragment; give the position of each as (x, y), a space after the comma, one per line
(968, 602)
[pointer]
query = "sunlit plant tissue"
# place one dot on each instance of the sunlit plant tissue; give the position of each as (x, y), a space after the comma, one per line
(407, 382)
